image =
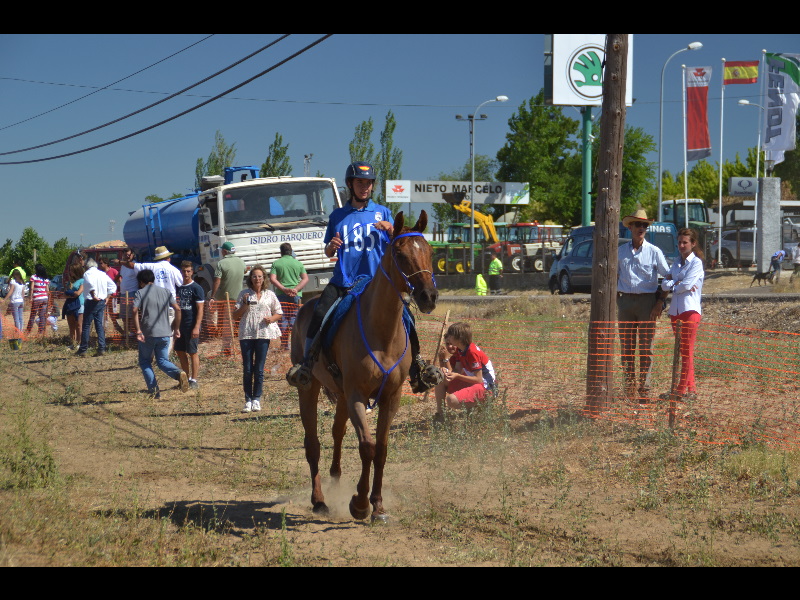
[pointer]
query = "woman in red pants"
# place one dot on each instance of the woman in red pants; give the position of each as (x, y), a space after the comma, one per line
(685, 281)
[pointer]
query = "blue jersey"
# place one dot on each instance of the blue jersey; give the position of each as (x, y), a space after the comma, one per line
(362, 244)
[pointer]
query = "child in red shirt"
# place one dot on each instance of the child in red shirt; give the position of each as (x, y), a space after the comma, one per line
(468, 372)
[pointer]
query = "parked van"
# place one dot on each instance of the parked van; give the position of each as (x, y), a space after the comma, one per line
(661, 234)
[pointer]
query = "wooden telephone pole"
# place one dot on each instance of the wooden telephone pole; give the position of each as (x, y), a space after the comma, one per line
(603, 314)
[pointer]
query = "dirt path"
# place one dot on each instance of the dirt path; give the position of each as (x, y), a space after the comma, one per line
(191, 480)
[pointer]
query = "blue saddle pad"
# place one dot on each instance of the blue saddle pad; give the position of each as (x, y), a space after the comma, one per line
(344, 305)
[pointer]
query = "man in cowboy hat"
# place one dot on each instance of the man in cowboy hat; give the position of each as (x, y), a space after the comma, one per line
(167, 275)
(640, 302)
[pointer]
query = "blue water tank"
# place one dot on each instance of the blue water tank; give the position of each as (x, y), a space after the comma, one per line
(172, 223)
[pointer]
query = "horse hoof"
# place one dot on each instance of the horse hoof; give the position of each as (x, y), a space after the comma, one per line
(358, 513)
(320, 508)
(380, 519)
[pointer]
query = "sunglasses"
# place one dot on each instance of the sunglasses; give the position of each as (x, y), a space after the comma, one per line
(640, 224)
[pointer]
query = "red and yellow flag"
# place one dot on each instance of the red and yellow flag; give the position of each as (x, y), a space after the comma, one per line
(740, 71)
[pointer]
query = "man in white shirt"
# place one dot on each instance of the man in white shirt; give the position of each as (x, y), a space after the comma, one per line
(97, 286)
(167, 276)
(639, 302)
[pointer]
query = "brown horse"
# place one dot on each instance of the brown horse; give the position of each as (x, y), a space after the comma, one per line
(377, 316)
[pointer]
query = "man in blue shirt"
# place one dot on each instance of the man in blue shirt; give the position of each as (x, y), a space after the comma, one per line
(354, 233)
(639, 302)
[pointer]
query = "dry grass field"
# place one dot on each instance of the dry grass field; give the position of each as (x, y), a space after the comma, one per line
(94, 472)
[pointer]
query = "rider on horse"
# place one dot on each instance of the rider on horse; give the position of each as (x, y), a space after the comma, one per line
(354, 233)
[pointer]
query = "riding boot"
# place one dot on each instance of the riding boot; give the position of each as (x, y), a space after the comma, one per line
(422, 375)
(299, 375)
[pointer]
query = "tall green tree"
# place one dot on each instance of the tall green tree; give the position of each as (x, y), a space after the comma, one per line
(638, 174)
(361, 146)
(277, 163)
(541, 149)
(222, 155)
(390, 159)
(31, 249)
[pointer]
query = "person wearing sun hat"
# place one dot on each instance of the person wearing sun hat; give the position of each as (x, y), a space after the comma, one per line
(639, 302)
(168, 276)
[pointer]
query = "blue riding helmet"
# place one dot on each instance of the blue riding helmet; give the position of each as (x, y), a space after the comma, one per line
(359, 170)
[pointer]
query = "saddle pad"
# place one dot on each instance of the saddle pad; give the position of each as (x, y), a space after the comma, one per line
(340, 310)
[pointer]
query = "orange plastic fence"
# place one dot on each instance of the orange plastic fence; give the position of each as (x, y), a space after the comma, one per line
(747, 380)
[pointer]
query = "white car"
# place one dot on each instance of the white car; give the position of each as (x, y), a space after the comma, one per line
(737, 248)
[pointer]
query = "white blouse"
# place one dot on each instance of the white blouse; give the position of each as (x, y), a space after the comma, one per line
(685, 276)
(252, 325)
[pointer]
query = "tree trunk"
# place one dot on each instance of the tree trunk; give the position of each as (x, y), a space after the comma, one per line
(602, 319)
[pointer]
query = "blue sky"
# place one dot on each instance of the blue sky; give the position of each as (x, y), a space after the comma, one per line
(315, 101)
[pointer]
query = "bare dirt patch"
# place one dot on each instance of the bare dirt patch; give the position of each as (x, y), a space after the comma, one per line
(94, 472)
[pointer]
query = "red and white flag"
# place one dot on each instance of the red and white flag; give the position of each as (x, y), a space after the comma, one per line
(698, 141)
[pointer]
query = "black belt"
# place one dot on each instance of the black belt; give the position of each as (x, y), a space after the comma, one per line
(620, 294)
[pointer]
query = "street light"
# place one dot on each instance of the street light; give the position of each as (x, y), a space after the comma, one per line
(744, 102)
(472, 118)
(692, 46)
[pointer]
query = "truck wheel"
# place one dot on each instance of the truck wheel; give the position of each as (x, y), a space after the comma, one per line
(564, 284)
(440, 263)
(458, 267)
(516, 263)
(538, 263)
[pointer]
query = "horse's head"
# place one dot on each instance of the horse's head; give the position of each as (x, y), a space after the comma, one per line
(411, 254)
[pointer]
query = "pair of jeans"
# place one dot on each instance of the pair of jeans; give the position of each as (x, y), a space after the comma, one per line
(94, 311)
(17, 309)
(254, 355)
(158, 346)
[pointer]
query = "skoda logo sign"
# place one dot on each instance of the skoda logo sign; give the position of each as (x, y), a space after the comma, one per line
(585, 71)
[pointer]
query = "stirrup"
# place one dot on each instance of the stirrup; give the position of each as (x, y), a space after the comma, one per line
(424, 377)
(299, 376)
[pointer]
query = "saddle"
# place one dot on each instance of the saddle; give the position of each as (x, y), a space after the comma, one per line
(337, 312)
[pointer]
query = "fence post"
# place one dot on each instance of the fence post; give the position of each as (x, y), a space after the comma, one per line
(230, 320)
(676, 373)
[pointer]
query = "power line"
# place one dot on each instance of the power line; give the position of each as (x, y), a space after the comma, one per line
(238, 62)
(107, 86)
(236, 87)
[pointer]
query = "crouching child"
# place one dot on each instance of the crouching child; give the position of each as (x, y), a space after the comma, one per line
(468, 373)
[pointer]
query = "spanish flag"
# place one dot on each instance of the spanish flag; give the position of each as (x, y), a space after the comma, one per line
(740, 71)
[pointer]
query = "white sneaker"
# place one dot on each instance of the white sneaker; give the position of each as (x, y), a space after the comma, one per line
(256, 405)
(248, 406)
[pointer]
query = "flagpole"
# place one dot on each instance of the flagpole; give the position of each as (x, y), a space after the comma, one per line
(685, 159)
(762, 124)
(721, 113)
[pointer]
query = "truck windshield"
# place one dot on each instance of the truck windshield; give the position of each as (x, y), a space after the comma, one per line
(276, 204)
(697, 212)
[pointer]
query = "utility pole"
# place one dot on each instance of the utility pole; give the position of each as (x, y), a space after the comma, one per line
(602, 316)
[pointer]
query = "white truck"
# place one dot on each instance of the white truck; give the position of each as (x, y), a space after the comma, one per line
(256, 214)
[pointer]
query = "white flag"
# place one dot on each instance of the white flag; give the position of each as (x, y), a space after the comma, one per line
(783, 96)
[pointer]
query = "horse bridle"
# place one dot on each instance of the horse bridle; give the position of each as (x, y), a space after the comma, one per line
(406, 278)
